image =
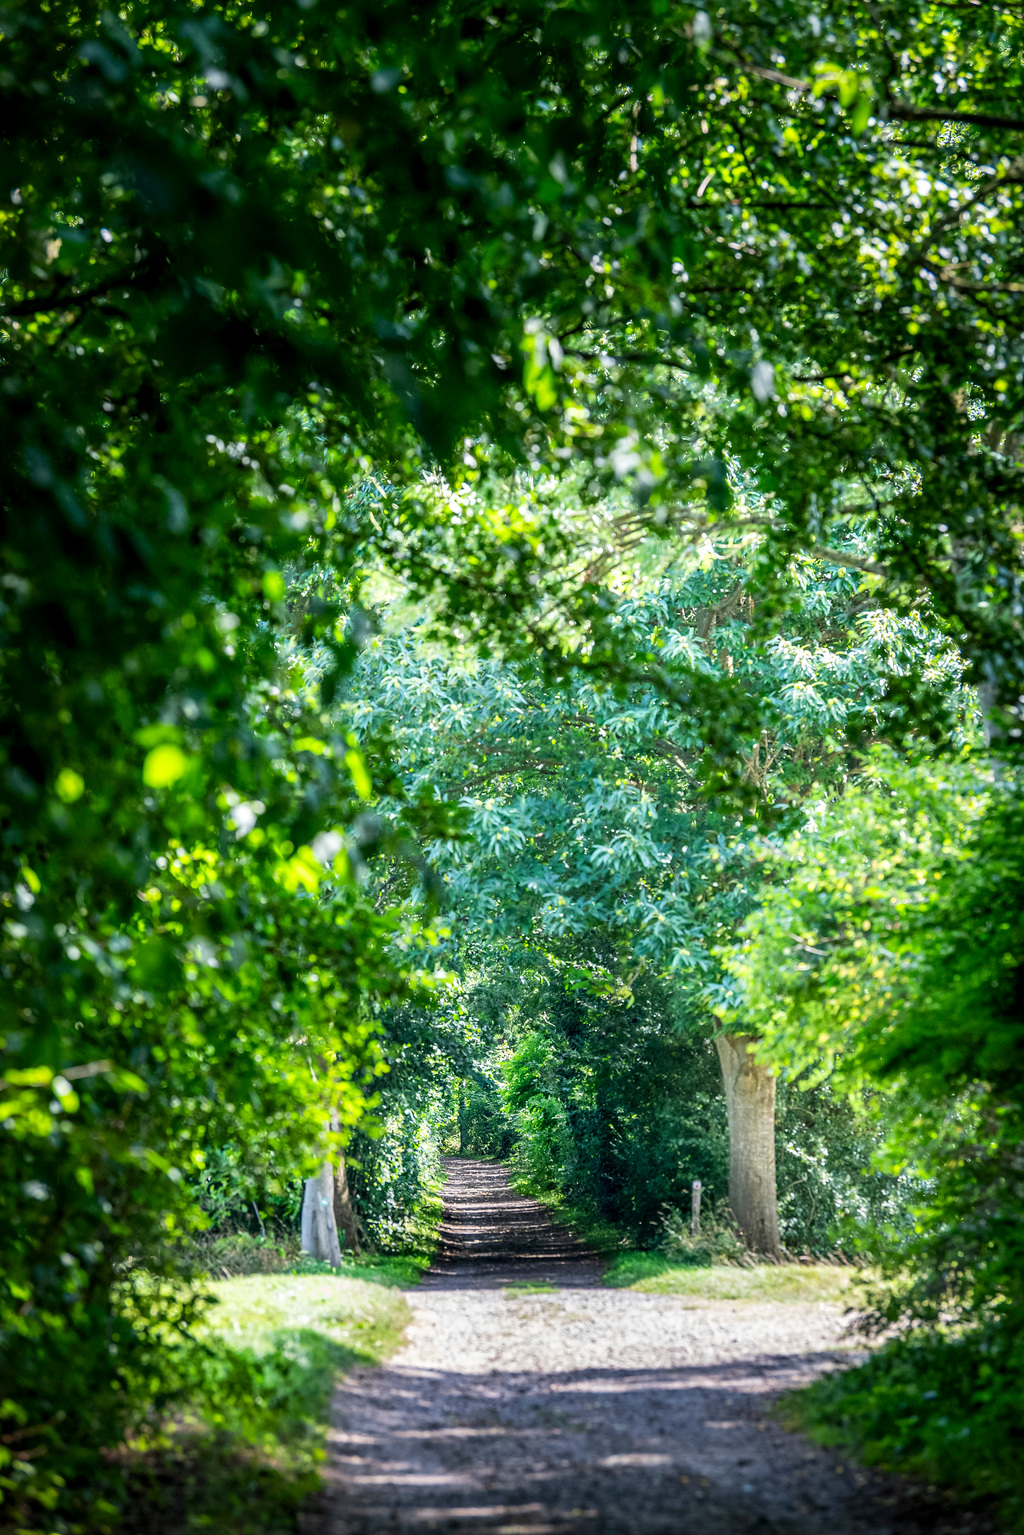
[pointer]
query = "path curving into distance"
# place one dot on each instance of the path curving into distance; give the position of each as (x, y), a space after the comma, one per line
(588, 1410)
(492, 1238)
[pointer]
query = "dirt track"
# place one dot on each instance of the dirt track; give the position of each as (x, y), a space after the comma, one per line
(590, 1410)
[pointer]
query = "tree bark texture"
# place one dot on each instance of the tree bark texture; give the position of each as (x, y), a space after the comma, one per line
(750, 1102)
(319, 1227)
(345, 1217)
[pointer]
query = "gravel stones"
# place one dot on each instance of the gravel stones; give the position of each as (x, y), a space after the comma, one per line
(595, 1411)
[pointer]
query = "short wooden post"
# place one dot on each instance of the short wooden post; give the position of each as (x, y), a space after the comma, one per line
(695, 1208)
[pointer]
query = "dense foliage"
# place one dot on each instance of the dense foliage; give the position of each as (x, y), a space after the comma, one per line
(592, 878)
(888, 952)
(616, 1104)
(663, 265)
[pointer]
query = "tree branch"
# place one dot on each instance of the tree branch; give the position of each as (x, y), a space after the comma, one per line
(852, 561)
(904, 112)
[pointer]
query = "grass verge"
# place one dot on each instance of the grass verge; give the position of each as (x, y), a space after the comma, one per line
(941, 1408)
(393, 1270)
(347, 1310)
(232, 1254)
(241, 1453)
(653, 1274)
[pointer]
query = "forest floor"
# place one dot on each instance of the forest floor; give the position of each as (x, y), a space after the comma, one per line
(527, 1398)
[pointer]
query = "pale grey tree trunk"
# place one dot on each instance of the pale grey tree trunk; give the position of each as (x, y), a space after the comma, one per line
(319, 1227)
(750, 1102)
(345, 1217)
(987, 698)
(986, 692)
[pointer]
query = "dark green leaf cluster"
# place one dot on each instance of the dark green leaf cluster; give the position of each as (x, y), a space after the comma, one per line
(757, 263)
(890, 951)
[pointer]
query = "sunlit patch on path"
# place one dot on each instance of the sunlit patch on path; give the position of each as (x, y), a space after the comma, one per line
(590, 1410)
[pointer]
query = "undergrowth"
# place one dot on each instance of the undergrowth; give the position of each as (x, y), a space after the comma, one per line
(235, 1438)
(241, 1449)
(714, 1265)
(716, 1241)
(226, 1254)
(933, 1405)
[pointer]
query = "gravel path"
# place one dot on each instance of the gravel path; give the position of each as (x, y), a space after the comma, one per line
(595, 1411)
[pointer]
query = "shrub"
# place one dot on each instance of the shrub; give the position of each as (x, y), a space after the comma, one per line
(222, 1255)
(934, 1404)
(716, 1241)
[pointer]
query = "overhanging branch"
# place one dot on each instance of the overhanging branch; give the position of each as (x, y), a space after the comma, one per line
(901, 111)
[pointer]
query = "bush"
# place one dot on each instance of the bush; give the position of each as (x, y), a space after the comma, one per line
(621, 1135)
(544, 1156)
(832, 1196)
(935, 1405)
(717, 1240)
(484, 1128)
(239, 1448)
(224, 1255)
(240, 1192)
(394, 1176)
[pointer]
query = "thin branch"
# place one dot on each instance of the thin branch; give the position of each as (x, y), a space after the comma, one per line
(903, 111)
(544, 768)
(701, 525)
(852, 561)
(776, 76)
(900, 110)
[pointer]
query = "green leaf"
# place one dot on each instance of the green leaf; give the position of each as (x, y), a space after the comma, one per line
(862, 113)
(70, 786)
(360, 776)
(163, 766)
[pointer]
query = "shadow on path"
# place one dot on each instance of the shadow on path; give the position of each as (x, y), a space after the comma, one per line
(590, 1410)
(491, 1236)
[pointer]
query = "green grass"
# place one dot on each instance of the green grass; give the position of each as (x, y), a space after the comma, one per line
(235, 1254)
(652, 1274)
(241, 1453)
(242, 1256)
(352, 1310)
(516, 1290)
(231, 1254)
(397, 1270)
(655, 1274)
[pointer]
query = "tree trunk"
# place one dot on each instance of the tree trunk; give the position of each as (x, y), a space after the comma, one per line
(319, 1228)
(345, 1217)
(750, 1101)
(987, 703)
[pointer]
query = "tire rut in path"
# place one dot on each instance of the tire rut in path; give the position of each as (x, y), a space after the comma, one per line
(589, 1410)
